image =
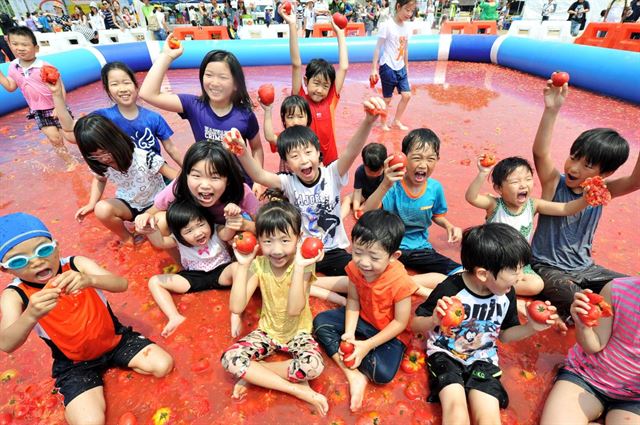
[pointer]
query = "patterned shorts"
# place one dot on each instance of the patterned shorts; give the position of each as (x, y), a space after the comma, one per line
(45, 118)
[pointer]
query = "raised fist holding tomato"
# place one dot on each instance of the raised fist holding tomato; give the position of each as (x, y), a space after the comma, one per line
(374, 107)
(172, 47)
(554, 97)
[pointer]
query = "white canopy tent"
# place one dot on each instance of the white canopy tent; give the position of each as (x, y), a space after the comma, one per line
(533, 10)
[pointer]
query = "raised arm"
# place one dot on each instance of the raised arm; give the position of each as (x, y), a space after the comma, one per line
(343, 57)
(560, 208)
(255, 170)
(151, 86)
(473, 195)
(300, 283)
(391, 176)
(624, 185)
(294, 50)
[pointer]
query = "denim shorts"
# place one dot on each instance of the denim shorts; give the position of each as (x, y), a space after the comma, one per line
(391, 79)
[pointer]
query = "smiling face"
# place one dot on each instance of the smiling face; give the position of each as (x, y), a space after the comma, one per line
(122, 89)
(295, 116)
(279, 248)
(23, 47)
(372, 259)
(516, 188)
(197, 233)
(205, 184)
(421, 161)
(317, 87)
(577, 170)
(217, 82)
(304, 162)
(38, 270)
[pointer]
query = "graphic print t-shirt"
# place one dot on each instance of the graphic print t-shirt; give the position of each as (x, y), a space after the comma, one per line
(485, 316)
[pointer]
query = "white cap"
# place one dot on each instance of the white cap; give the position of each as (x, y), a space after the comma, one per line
(93, 4)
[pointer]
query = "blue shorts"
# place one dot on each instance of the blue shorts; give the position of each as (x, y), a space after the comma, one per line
(607, 402)
(390, 79)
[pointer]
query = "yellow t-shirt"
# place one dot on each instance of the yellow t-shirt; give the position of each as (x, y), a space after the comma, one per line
(274, 319)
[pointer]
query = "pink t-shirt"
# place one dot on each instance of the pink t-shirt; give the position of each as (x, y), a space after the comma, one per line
(35, 91)
(249, 203)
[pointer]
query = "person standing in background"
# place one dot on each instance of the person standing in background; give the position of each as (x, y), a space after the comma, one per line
(548, 9)
(578, 16)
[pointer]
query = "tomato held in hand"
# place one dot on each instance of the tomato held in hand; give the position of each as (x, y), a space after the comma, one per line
(127, 418)
(231, 141)
(266, 93)
(488, 159)
(245, 242)
(376, 111)
(599, 308)
(373, 80)
(399, 158)
(596, 192)
(174, 43)
(49, 74)
(539, 312)
(358, 214)
(311, 247)
(340, 20)
(286, 7)
(453, 316)
(347, 348)
(559, 78)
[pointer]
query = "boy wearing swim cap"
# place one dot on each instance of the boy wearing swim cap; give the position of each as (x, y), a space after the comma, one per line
(60, 298)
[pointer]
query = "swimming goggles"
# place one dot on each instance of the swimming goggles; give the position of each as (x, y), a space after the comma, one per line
(21, 261)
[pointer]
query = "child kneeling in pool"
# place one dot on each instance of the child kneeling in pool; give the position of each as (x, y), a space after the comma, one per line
(63, 300)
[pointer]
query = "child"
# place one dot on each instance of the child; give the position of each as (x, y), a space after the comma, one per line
(378, 306)
(111, 155)
(24, 73)
(284, 278)
(368, 177)
(313, 189)
(562, 246)
(148, 129)
(419, 201)
(393, 73)
(323, 83)
(601, 373)
(463, 360)
(205, 260)
(512, 178)
(224, 103)
(62, 299)
(294, 110)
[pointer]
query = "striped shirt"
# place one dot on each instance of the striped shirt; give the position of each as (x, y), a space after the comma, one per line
(615, 370)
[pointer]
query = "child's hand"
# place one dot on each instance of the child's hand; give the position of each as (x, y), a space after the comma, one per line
(172, 53)
(536, 326)
(336, 29)
(304, 262)
(83, 211)
(580, 305)
(554, 96)
(146, 223)
(70, 282)
(289, 19)
(360, 351)
(56, 89)
(349, 337)
(266, 108)
(236, 325)
(234, 142)
(374, 107)
(232, 209)
(454, 233)
(441, 309)
(43, 301)
(245, 259)
(394, 173)
(481, 168)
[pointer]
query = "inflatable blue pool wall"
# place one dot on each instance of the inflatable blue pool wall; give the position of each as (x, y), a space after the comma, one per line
(606, 71)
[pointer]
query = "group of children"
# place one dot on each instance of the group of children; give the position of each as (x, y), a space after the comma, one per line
(195, 214)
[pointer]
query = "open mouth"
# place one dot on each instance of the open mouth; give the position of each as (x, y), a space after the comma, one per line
(522, 196)
(45, 274)
(201, 240)
(307, 172)
(420, 176)
(205, 198)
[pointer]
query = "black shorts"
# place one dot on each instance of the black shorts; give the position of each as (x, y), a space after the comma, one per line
(334, 262)
(480, 375)
(427, 260)
(75, 378)
(203, 281)
(134, 211)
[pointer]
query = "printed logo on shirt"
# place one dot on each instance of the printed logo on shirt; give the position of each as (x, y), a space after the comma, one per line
(145, 141)
(213, 134)
(402, 48)
(316, 209)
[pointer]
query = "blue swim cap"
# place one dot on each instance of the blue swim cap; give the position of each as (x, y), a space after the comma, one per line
(19, 227)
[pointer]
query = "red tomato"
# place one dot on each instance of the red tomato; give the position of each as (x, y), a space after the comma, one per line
(414, 390)
(347, 348)
(369, 418)
(358, 214)
(127, 418)
(596, 192)
(340, 20)
(6, 418)
(174, 43)
(376, 111)
(286, 7)
(311, 247)
(373, 80)
(245, 242)
(454, 315)
(200, 366)
(559, 78)
(539, 312)
(488, 159)
(161, 416)
(230, 142)
(599, 308)
(266, 93)
(398, 158)
(412, 362)
(49, 74)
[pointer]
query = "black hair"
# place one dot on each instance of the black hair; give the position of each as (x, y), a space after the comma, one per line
(373, 156)
(104, 74)
(294, 103)
(240, 97)
(400, 3)
(278, 215)
(322, 68)
(494, 247)
(379, 226)
(219, 161)
(94, 132)
(24, 32)
(180, 213)
(419, 138)
(603, 147)
(504, 168)
(296, 136)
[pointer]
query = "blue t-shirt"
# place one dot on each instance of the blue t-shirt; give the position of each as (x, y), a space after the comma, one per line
(416, 211)
(206, 125)
(147, 130)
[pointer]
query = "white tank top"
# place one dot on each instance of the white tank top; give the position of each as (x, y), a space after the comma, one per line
(204, 258)
(522, 221)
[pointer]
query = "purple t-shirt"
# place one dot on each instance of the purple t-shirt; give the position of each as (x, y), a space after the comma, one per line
(249, 203)
(206, 125)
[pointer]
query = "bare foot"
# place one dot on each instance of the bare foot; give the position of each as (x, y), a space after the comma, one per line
(357, 386)
(315, 399)
(236, 325)
(172, 325)
(240, 389)
(401, 126)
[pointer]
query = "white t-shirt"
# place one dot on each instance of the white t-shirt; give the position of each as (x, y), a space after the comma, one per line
(97, 22)
(142, 181)
(320, 7)
(319, 205)
(161, 18)
(396, 38)
(206, 258)
(310, 18)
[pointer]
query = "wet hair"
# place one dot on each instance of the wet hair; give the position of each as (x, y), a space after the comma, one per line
(240, 97)
(322, 68)
(603, 147)
(180, 214)
(94, 132)
(296, 136)
(278, 215)
(504, 168)
(373, 156)
(219, 161)
(494, 247)
(104, 74)
(379, 226)
(294, 103)
(24, 32)
(418, 139)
